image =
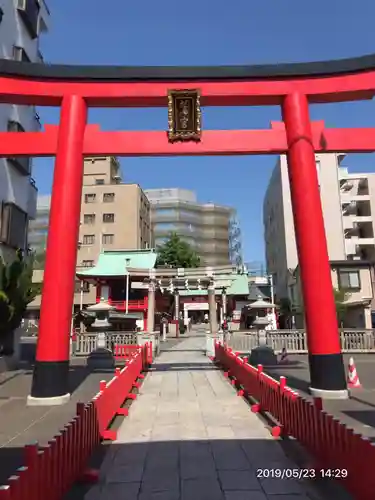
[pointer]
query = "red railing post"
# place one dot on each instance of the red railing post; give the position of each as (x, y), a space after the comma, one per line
(5, 493)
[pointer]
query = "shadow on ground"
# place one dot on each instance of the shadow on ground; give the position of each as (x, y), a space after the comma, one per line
(366, 417)
(295, 376)
(21, 424)
(201, 470)
(163, 367)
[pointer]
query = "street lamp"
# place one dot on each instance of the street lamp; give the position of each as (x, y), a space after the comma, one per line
(127, 263)
(270, 277)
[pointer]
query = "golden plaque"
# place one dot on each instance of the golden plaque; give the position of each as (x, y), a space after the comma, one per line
(184, 115)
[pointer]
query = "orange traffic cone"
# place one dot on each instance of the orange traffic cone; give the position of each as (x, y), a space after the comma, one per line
(353, 379)
(284, 356)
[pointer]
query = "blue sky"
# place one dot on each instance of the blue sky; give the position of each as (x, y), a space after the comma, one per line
(210, 32)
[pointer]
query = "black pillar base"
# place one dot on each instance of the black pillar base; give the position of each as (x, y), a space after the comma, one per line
(50, 379)
(327, 372)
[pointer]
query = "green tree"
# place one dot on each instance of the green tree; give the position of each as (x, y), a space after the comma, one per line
(16, 291)
(340, 297)
(177, 253)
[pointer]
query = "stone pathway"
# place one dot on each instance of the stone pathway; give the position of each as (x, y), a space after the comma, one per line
(189, 437)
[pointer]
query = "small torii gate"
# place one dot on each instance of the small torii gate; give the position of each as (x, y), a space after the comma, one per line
(179, 279)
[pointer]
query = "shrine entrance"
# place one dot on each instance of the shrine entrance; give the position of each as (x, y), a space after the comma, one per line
(183, 91)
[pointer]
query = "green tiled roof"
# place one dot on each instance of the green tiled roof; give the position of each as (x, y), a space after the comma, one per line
(239, 286)
(113, 263)
(255, 293)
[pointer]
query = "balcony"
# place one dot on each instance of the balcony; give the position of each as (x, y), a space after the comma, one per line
(22, 164)
(351, 248)
(349, 207)
(353, 198)
(363, 241)
(32, 199)
(360, 219)
(346, 185)
(363, 183)
(29, 13)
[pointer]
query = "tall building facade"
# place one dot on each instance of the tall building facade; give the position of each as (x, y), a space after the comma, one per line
(21, 24)
(207, 227)
(348, 204)
(114, 216)
(38, 228)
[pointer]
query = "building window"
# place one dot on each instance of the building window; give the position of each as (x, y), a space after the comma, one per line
(13, 226)
(89, 239)
(89, 219)
(87, 263)
(90, 198)
(108, 197)
(19, 54)
(29, 13)
(108, 239)
(108, 217)
(99, 182)
(21, 163)
(349, 279)
(83, 286)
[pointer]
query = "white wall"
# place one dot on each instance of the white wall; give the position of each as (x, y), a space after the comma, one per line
(281, 249)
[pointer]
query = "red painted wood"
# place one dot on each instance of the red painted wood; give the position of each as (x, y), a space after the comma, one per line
(214, 142)
(356, 86)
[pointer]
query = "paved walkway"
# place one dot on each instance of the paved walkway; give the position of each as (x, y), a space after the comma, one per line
(189, 437)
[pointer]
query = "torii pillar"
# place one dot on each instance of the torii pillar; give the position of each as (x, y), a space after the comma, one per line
(50, 384)
(327, 370)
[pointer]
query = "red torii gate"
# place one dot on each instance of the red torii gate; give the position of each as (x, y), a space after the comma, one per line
(292, 86)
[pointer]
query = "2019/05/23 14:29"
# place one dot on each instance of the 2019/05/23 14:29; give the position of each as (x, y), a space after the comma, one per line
(302, 473)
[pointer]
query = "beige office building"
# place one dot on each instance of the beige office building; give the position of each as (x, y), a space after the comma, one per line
(114, 216)
(348, 203)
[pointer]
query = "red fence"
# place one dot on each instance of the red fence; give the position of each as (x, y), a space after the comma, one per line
(51, 470)
(126, 351)
(339, 452)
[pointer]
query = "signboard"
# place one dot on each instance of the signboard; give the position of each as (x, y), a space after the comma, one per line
(139, 285)
(184, 115)
(196, 306)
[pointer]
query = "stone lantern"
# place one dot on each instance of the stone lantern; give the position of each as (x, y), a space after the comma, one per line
(263, 354)
(101, 357)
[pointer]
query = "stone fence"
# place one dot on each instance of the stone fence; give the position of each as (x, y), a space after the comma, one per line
(295, 341)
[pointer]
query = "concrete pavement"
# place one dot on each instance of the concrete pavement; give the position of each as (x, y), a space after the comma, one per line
(21, 424)
(189, 437)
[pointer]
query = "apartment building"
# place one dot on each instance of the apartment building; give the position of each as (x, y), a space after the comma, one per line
(355, 279)
(114, 216)
(348, 203)
(21, 24)
(210, 229)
